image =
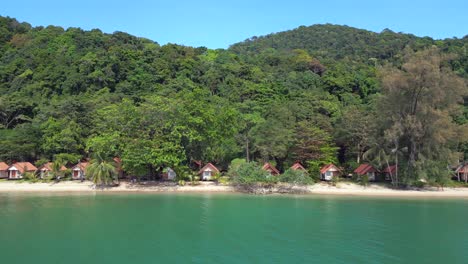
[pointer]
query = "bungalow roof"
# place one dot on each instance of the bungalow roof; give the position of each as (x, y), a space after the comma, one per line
(462, 169)
(297, 166)
(210, 166)
(3, 166)
(364, 169)
(49, 165)
(24, 166)
(328, 167)
(390, 169)
(268, 167)
(82, 166)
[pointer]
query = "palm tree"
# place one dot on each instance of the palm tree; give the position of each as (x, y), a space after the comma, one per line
(102, 172)
(57, 169)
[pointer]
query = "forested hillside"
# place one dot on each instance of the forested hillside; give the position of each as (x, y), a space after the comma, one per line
(316, 94)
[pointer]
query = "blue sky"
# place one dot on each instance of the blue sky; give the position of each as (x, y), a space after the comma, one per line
(217, 24)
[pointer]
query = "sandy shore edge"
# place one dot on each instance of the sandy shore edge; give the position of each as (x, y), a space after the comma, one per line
(349, 189)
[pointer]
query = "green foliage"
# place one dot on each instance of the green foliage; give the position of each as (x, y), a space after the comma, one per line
(57, 172)
(295, 177)
(318, 95)
(250, 173)
(61, 136)
(65, 158)
(236, 163)
(101, 172)
(363, 180)
(224, 180)
(216, 177)
(335, 180)
(41, 162)
(30, 176)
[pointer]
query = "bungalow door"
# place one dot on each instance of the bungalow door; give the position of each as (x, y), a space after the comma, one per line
(76, 174)
(13, 173)
(328, 175)
(206, 175)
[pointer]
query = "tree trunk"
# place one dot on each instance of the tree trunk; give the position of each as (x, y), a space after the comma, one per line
(396, 168)
(247, 150)
(358, 154)
(412, 158)
(389, 172)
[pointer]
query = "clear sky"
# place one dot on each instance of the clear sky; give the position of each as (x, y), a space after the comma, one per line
(217, 24)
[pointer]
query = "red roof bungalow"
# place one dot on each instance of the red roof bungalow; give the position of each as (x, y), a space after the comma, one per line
(46, 169)
(79, 171)
(4, 170)
(207, 172)
(270, 168)
(298, 166)
(366, 169)
(17, 170)
(329, 171)
(388, 171)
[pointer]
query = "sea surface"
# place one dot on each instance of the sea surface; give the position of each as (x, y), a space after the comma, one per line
(230, 228)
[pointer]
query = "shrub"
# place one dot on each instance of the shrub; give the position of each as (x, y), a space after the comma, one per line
(295, 177)
(250, 173)
(181, 182)
(224, 180)
(419, 184)
(194, 179)
(235, 163)
(182, 172)
(363, 180)
(30, 176)
(335, 180)
(216, 176)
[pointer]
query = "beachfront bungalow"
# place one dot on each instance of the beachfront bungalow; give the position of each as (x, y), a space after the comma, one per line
(329, 171)
(462, 172)
(298, 166)
(169, 174)
(366, 169)
(79, 170)
(46, 170)
(17, 170)
(270, 168)
(3, 170)
(207, 172)
(389, 171)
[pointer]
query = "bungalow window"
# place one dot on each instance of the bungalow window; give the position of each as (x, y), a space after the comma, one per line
(206, 173)
(328, 173)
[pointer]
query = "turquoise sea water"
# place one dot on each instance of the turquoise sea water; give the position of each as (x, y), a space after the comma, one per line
(230, 228)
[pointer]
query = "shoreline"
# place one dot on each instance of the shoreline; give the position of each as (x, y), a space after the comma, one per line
(343, 189)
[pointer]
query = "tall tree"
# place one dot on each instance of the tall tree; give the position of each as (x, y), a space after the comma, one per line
(422, 97)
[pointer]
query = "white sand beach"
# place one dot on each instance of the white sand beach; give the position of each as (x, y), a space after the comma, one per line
(350, 189)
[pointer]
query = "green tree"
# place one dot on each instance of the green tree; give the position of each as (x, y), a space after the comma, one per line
(101, 172)
(422, 98)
